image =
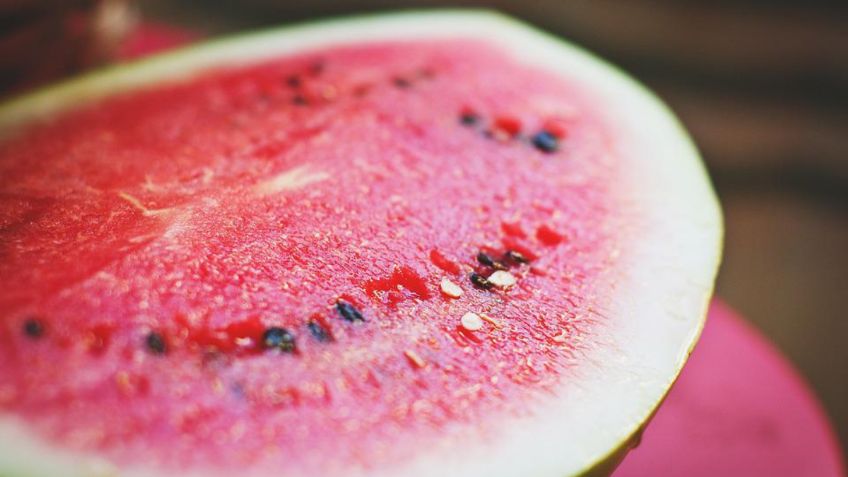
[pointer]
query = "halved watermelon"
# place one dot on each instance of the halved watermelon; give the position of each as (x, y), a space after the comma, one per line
(414, 244)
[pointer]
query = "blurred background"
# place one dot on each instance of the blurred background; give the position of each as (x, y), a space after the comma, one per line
(761, 84)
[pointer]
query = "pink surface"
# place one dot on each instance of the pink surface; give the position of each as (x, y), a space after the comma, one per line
(198, 239)
(739, 409)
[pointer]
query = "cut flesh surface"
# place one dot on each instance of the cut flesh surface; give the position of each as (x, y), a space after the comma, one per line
(375, 246)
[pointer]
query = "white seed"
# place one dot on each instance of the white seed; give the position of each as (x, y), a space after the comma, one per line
(471, 321)
(502, 279)
(562, 337)
(450, 288)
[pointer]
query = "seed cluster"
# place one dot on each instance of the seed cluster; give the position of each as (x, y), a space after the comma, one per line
(492, 271)
(283, 340)
(274, 338)
(495, 272)
(507, 128)
(300, 87)
(450, 288)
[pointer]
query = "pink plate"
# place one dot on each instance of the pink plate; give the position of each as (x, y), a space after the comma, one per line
(738, 409)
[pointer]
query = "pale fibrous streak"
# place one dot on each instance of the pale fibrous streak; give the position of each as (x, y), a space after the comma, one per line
(135, 202)
(290, 179)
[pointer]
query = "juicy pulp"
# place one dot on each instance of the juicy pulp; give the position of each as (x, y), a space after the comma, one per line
(206, 210)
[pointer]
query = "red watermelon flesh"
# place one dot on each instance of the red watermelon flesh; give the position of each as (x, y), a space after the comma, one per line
(248, 268)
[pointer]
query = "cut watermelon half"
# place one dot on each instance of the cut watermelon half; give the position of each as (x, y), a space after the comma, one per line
(434, 243)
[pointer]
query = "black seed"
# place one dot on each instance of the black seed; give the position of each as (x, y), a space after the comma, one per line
(293, 81)
(278, 338)
(488, 261)
(516, 257)
(156, 343)
(316, 68)
(469, 119)
(318, 331)
(402, 83)
(348, 311)
(545, 142)
(33, 328)
(299, 100)
(480, 281)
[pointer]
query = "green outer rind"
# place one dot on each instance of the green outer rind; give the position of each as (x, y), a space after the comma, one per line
(50, 100)
(607, 464)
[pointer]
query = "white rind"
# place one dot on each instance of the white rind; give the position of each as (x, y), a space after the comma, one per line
(660, 294)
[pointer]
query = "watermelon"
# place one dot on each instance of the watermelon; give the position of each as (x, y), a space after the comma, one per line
(434, 243)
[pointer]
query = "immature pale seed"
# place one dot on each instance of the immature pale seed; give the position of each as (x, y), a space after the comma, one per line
(502, 279)
(450, 288)
(471, 321)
